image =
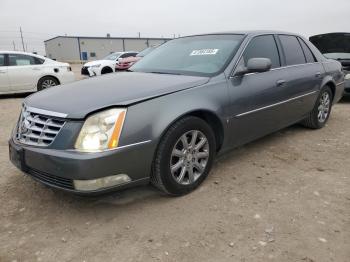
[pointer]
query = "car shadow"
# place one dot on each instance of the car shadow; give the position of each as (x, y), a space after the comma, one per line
(21, 95)
(133, 196)
(345, 99)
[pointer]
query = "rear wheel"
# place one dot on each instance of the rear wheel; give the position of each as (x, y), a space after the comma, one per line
(47, 82)
(184, 157)
(319, 116)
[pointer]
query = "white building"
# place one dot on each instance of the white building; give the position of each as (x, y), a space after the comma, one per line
(75, 48)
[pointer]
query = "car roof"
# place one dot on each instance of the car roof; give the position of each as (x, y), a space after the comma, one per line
(251, 33)
(22, 53)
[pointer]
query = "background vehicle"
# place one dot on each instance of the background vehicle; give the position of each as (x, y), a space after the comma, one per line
(336, 46)
(126, 63)
(106, 65)
(189, 100)
(24, 72)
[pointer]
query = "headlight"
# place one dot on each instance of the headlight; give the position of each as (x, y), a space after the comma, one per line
(347, 77)
(101, 131)
(98, 65)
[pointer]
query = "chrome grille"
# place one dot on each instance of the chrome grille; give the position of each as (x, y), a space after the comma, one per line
(37, 129)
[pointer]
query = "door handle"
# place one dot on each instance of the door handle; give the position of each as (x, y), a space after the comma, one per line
(36, 69)
(2, 72)
(281, 82)
(318, 74)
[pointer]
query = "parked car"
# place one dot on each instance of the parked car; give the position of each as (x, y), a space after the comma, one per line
(126, 63)
(336, 46)
(106, 65)
(24, 72)
(186, 102)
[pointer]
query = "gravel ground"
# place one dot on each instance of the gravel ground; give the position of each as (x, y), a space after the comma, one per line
(285, 197)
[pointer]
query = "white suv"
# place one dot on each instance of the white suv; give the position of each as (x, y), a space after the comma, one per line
(105, 65)
(24, 72)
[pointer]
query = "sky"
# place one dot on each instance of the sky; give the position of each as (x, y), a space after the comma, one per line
(43, 19)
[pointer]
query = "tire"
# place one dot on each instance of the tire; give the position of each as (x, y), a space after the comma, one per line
(106, 70)
(47, 82)
(172, 152)
(319, 116)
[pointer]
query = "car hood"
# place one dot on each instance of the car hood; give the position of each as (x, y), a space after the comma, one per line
(98, 62)
(80, 98)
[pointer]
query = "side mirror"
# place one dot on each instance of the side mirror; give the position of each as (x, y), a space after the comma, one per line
(255, 65)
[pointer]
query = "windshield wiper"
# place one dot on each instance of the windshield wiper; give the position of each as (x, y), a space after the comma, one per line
(164, 73)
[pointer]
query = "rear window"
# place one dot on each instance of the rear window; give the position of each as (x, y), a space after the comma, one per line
(310, 58)
(21, 60)
(292, 50)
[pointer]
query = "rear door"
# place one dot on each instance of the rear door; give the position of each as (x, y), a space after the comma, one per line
(24, 72)
(303, 76)
(4, 79)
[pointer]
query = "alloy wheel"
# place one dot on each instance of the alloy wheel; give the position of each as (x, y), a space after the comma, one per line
(324, 107)
(48, 83)
(189, 157)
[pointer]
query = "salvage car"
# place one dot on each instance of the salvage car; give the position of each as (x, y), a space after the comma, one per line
(105, 65)
(22, 72)
(126, 63)
(336, 46)
(189, 100)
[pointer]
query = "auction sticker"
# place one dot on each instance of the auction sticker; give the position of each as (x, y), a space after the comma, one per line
(204, 52)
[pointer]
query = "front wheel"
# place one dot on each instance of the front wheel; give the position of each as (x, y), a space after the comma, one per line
(184, 156)
(319, 116)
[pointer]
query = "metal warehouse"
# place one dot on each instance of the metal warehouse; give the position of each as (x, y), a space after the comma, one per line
(76, 48)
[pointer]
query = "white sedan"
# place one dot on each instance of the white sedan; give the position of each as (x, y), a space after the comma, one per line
(105, 65)
(24, 72)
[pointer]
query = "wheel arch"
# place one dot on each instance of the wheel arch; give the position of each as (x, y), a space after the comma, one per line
(54, 77)
(207, 116)
(328, 81)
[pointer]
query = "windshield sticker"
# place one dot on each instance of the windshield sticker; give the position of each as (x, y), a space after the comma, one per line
(204, 52)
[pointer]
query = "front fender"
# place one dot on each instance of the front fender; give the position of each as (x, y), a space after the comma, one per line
(150, 119)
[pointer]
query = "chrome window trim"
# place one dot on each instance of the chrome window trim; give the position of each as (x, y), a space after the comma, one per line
(273, 69)
(273, 105)
(279, 68)
(45, 112)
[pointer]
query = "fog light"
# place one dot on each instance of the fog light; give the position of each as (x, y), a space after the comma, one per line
(100, 183)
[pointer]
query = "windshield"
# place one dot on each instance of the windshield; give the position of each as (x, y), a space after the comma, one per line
(205, 55)
(113, 56)
(334, 46)
(145, 51)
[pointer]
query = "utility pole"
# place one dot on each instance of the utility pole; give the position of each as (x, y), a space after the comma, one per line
(14, 45)
(20, 29)
(139, 34)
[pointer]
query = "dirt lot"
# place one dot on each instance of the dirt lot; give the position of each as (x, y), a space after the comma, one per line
(283, 198)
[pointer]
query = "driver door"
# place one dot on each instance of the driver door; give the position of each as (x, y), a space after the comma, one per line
(255, 107)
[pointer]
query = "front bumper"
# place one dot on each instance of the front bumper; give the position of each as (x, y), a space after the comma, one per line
(59, 168)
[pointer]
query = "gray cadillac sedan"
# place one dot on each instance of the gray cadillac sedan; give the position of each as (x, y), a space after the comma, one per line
(164, 122)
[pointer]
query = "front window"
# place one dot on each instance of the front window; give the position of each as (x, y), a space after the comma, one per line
(113, 56)
(205, 55)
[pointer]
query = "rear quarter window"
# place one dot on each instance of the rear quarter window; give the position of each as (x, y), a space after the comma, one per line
(310, 58)
(294, 55)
